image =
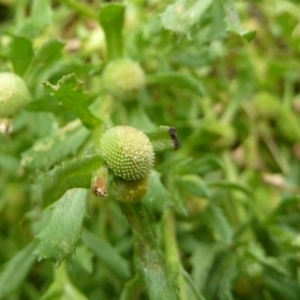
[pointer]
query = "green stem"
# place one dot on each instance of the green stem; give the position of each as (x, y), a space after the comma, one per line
(148, 257)
(172, 255)
(111, 18)
(132, 288)
(163, 138)
(173, 260)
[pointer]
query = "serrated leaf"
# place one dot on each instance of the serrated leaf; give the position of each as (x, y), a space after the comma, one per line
(16, 269)
(107, 255)
(40, 18)
(157, 198)
(51, 185)
(21, 54)
(58, 239)
(184, 14)
(69, 92)
(50, 150)
(234, 24)
(185, 81)
(111, 18)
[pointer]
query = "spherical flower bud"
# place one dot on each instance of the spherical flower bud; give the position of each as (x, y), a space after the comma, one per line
(14, 94)
(130, 191)
(123, 78)
(127, 152)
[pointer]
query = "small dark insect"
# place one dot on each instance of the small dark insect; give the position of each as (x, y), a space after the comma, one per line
(174, 137)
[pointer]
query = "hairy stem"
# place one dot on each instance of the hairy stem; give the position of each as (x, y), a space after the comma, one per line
(148, 257)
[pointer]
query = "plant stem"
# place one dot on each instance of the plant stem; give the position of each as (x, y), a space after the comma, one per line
(111, 18)
(148, 257)
(172, 256)
(163, 138)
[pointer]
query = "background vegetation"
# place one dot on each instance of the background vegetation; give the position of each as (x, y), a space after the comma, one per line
(224, 207)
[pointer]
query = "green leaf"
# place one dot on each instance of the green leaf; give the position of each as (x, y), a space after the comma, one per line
(202, 165)
(46, 103)
(233, 22)
(184, 14)
(194, 185)
(21, 54)
(50, 150)
(40, 18)
(58, 239)
(189, 281)
(157, 198)
(111, 18)
(230, 186)
(108, 255)
(43, 59)
(52, 185)
(47, 54)
(9, 163)
(219, 224)
(202, 260)
(69, 92)
(14, 272)
(84, 257)
(131, 287)
(184, 81)
(62, 288)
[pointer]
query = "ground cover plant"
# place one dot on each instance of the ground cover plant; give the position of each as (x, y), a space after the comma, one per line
(149, 149)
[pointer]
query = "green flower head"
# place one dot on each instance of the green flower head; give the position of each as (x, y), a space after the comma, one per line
(123, 78)
(127, 151)
(14, 94)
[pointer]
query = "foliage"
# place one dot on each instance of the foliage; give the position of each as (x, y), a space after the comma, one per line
(220, 219)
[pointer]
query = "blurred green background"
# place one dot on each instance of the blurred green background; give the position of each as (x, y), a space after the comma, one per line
(224, 207)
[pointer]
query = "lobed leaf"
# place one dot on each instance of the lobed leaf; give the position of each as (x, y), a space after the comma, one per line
(77, 173)
(58, 239)
(50, 150)
(69, 92)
